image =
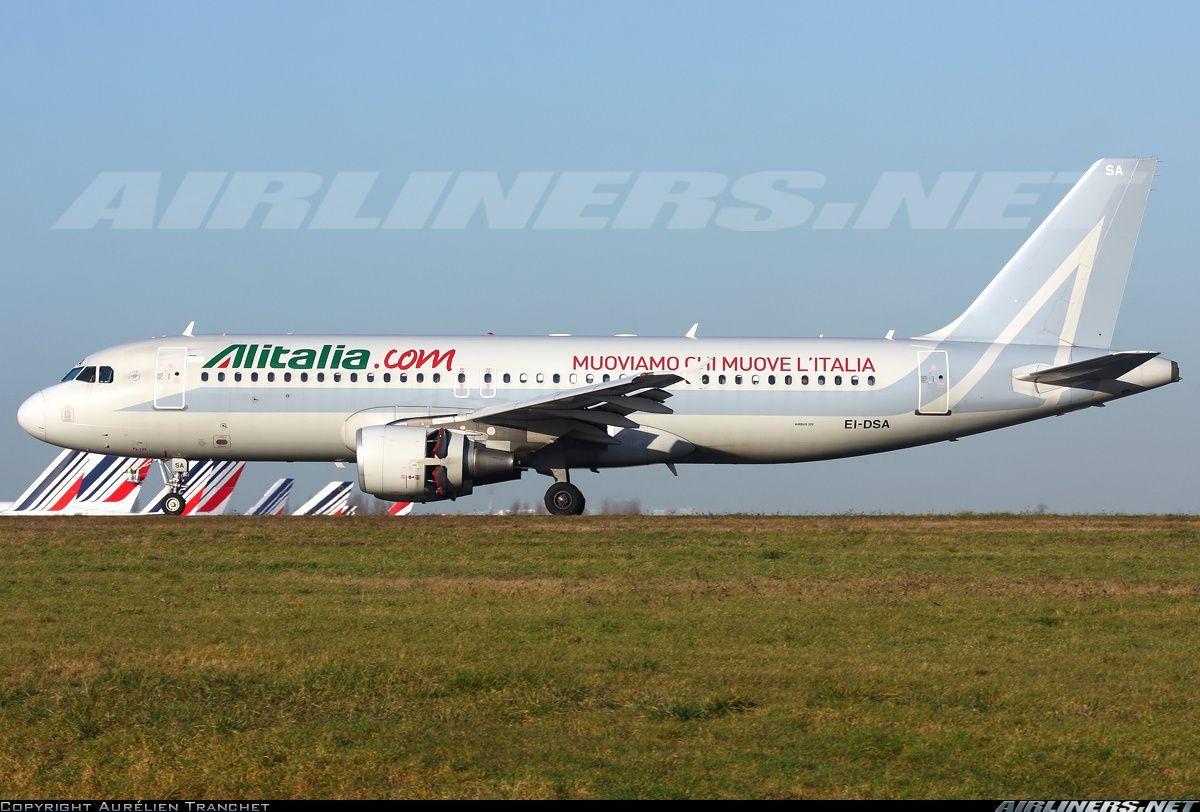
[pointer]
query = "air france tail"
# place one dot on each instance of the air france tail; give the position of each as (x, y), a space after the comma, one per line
(76, 483)
(275, 501)
(1065, 285)
(331, 500)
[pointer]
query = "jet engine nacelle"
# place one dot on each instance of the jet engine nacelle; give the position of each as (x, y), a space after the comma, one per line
(418, 464)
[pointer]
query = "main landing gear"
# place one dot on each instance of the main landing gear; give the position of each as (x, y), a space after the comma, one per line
(564, 499)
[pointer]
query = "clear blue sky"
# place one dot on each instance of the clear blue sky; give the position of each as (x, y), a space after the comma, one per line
(848, 90)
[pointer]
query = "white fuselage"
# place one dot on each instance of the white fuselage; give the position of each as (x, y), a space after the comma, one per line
(293, 397)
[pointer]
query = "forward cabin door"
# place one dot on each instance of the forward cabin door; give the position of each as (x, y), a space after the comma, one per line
(170, 378)
(933, 382)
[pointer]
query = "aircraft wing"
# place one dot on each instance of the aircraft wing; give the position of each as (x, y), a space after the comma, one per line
(1105, 368)
(584, 413)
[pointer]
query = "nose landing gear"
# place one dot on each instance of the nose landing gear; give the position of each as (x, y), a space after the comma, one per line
(175, 474)
(564, 499)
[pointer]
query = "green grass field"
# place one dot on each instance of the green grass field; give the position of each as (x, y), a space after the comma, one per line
(600, 657)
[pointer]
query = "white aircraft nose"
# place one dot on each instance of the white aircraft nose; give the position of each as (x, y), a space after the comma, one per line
(32, 416)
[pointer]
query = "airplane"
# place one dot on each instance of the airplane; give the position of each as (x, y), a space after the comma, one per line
(400, 508)
(426, 419)
(332, 500)
(275, 501)
(76, 483)
(205, 491)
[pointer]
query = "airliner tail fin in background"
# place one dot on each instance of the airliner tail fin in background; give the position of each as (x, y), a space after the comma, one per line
(76, 482)
(1065, 285)
(275, 501)
(112, 485)
(331, 500)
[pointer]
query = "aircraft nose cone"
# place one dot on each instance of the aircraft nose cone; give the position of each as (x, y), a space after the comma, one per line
(32, 416)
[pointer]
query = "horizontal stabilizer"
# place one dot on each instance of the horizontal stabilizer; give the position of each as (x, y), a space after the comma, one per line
(1105, 368)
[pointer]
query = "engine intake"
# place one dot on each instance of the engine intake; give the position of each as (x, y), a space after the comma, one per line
(417, 464)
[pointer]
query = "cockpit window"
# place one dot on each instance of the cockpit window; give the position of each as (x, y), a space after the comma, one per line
(88, 375)
(106, 375)
(70, 376)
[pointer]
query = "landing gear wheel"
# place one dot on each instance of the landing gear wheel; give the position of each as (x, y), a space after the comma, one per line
(173, 504)
(564, 499)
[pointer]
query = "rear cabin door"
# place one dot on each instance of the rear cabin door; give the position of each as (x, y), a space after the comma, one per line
(933, 382)
(170, 378)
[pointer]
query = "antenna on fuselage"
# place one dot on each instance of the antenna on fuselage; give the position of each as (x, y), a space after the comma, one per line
(692, 332)
(187, 331)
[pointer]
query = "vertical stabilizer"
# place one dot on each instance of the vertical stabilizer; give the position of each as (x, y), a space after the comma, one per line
(400, 508)
(275, 501)
(112, 485)
(331, 500)
(57, 486)
(1065, 285)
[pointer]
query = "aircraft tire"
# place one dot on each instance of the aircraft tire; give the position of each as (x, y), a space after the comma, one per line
(173, 504)
(564, 499)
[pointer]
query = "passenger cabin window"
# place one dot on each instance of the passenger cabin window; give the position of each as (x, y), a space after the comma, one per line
(72, 374)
